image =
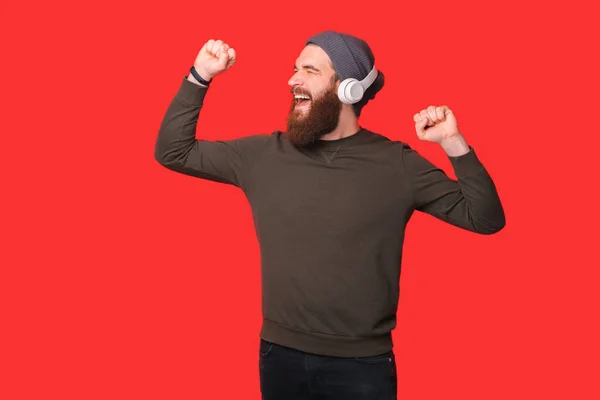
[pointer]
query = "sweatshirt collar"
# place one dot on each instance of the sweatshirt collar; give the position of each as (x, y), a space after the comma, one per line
(360, 137)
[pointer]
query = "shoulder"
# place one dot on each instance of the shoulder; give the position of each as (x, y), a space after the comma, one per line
(394, 146)
(399, 153)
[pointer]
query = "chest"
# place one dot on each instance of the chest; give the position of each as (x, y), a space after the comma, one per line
(345, 198)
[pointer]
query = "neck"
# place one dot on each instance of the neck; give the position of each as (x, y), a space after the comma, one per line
(347, 125)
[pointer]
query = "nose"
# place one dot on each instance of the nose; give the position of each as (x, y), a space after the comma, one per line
(295, 80)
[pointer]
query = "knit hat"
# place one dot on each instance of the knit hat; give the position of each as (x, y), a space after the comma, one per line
(351, 58)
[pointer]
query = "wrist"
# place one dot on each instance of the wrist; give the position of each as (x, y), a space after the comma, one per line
(201, 75)
(455, 146)
(194, 80)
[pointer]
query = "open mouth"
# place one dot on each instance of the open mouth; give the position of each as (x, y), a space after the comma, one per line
(302, 100)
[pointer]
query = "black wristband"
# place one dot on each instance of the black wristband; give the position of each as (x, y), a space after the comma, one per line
(198, 77)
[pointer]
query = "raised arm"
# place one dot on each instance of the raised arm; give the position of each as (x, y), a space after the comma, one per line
(471, 202)
(226, 161)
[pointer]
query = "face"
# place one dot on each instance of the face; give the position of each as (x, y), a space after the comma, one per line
(315, 108)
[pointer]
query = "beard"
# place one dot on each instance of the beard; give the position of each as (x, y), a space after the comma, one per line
(305, 127)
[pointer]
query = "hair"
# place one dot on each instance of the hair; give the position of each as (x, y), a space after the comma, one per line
(335, 76)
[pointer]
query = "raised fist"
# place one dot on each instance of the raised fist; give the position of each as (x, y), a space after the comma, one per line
(214, 58)
(434, 124)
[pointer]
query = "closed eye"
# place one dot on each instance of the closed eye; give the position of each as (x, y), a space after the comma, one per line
(309, 68)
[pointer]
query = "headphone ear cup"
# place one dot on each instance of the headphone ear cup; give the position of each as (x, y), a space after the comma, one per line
(350, 91)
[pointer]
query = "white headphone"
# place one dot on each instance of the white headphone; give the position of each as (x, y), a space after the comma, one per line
(352, 90)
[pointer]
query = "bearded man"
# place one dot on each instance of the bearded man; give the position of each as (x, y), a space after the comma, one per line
(330, 200)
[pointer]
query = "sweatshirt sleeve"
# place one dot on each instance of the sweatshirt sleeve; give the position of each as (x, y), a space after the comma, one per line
(471, 202)
(177, 149)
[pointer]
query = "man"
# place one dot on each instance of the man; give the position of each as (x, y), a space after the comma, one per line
(330, 201)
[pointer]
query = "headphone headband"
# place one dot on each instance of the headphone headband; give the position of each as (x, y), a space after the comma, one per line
(369, 79)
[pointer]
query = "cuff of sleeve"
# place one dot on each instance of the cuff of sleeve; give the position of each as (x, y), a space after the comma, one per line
(466, 164)
(191, 93)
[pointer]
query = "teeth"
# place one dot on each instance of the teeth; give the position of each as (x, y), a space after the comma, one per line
(302, 96)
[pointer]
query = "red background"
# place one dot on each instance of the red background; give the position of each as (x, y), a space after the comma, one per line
(123, 280)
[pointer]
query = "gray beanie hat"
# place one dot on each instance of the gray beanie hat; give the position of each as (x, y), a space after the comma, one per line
(351, 58)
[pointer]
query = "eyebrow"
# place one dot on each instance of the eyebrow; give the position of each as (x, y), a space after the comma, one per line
(308, 66)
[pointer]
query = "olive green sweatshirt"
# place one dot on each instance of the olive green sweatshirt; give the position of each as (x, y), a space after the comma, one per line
(330, 221)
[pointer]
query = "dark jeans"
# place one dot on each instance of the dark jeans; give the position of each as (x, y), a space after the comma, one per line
(289, 374)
